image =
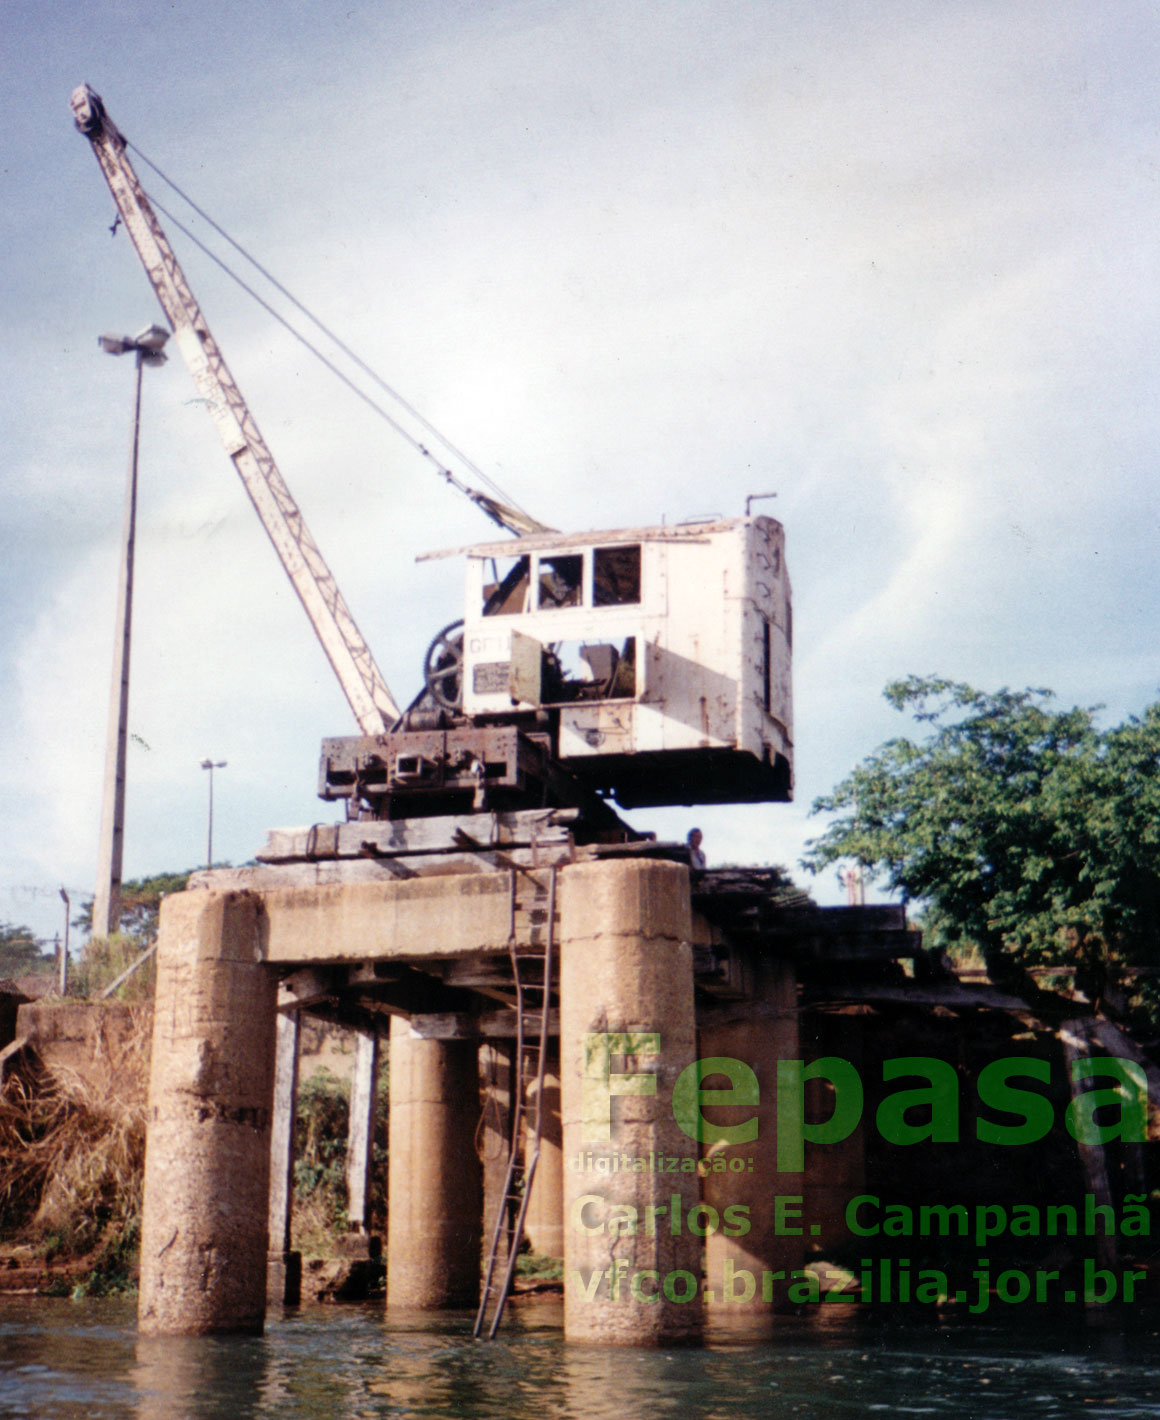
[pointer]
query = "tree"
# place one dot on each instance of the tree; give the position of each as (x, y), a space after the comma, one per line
(140, 904)
(1020, 828)
(20, 953)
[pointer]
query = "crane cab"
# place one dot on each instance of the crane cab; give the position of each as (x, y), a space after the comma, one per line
(646, 665)
(662, 655)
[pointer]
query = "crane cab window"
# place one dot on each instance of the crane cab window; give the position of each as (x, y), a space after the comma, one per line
(616, 575)
(506, 594)
(560, 580)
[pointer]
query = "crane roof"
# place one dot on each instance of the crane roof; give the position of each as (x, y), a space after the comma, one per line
(549, 542)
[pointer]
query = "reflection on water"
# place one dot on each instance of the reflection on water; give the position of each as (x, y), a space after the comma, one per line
(62, 1359)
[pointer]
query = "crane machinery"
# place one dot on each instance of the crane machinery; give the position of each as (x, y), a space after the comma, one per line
(650, 666)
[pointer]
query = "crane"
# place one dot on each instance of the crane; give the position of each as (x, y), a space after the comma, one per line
(649, 665)
(374, 707)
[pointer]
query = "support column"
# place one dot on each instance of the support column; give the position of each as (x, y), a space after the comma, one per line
(283, 1266)
(361, 1129)
(495, 1072)
(207, 1157)
(544, 1224)
(745, 1175)
(435, 1195)
(626, 978)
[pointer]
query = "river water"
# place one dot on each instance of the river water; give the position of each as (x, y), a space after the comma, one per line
(84, 1359)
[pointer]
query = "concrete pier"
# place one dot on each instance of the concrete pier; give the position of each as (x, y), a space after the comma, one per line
(544, 1224)
(744, 1176)
(628, 1186)
(207, 1162)
(435, 1181)
(632, 1264)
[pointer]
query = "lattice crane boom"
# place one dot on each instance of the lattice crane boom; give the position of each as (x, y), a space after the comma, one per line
(350, 657)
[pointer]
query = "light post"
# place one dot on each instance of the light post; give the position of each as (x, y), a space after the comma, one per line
(147, 346)
(63, 977)
(211, 765)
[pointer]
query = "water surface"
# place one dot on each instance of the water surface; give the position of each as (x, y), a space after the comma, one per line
(65, 1359)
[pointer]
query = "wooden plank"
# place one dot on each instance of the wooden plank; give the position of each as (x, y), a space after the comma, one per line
(463, 1025)
(400, 838)
(956, 997)
(343, 872)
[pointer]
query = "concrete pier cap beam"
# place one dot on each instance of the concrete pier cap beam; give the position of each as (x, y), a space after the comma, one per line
(632, 1266)
(207, 1158)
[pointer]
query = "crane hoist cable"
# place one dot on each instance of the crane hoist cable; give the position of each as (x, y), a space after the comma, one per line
(499, 506)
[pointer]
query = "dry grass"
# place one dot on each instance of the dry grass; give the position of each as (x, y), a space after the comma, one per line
(72, 1148)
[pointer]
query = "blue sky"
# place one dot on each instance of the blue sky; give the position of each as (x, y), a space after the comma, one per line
(639, 260)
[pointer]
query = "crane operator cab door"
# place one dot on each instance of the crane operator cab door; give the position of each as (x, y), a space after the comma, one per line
(660, 656)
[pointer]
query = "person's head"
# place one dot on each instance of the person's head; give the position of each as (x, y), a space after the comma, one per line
(694, 838)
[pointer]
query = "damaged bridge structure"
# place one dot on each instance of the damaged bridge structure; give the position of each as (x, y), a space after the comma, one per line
(545, 999)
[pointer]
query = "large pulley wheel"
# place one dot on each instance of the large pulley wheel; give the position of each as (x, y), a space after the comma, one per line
(443, 667)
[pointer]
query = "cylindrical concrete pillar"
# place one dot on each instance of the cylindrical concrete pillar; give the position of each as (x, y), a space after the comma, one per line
(435, 1192)
(756, 1243)
(632, 1263)
(544, 1224)
(835, 1173)
(207, 1157)
(494, 1133)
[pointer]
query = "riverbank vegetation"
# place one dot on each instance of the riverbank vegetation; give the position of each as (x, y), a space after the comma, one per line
(72, 1150)
(1018, 829)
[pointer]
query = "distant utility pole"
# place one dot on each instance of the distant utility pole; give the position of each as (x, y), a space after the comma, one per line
(211, 765)
(853, 880)
(107, 897)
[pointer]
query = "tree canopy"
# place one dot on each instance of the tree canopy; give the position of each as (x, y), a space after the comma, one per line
(140, 904)
(20, 952)
(1020, 828)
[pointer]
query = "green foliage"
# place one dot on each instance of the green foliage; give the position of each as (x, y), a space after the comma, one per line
(320, 1148)
(536, 1267)
(320, 1134)
(20, 952)
(1020, 828)
(140, 904)
(103, 960)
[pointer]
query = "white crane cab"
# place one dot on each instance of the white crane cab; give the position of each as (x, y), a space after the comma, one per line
(662, 656)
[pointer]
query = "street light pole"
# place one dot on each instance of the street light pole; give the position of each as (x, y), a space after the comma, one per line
(211, 765)
(63, 977)
(147, 347)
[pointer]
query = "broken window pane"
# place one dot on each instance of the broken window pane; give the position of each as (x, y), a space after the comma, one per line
(507, 593)
(616, 575)
(580, 670)
(561, 579)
